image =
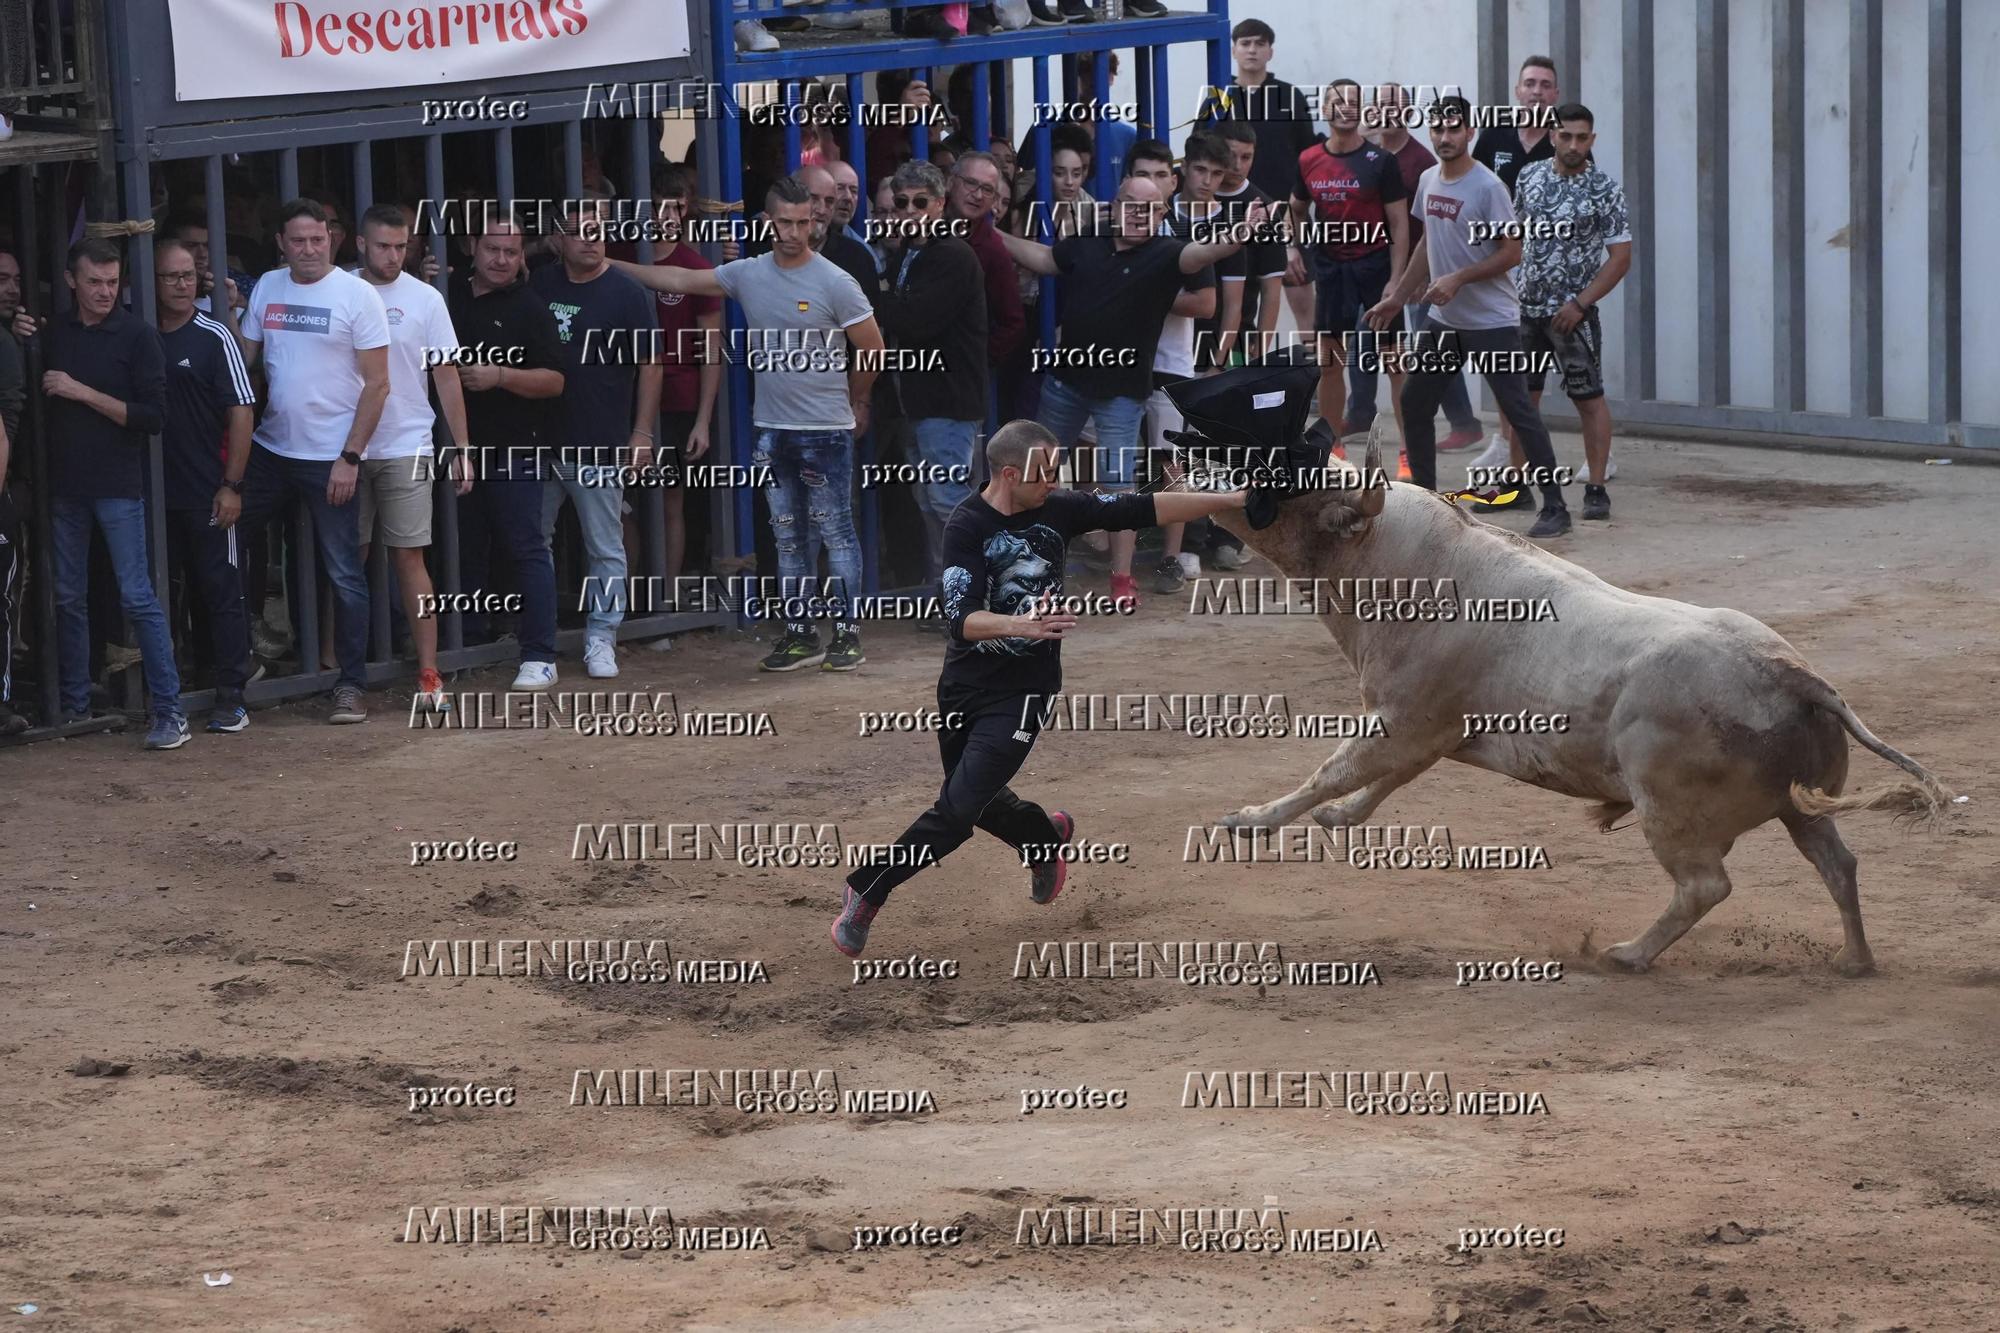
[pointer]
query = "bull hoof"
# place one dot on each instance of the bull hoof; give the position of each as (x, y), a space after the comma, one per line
(1854, 965)
(1622, 958)
(1247, 818)
(1332, 817)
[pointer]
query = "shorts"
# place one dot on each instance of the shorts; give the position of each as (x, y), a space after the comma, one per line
(399, 491)
(1161, 414)
(1580, 354)
(1343, 288)
(1114, 457)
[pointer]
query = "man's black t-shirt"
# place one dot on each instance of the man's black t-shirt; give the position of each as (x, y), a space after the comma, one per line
(1282, 120)
(606, 327)
(1114, 303)
(506, 429)
(205, 378)
(1260, 258)
(1000, 562)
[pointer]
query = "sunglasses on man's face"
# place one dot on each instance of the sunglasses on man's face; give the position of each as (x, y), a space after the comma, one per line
(910, 200)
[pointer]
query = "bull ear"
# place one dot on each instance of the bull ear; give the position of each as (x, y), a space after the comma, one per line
(1374, 493)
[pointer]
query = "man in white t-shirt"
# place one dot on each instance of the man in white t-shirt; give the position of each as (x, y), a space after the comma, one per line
(324, 339)
(395, 485)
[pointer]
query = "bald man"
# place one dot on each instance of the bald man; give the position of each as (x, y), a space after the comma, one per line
(1119, 286)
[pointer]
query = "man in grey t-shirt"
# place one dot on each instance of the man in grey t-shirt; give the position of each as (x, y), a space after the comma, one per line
(1474, 309)
(812, 341)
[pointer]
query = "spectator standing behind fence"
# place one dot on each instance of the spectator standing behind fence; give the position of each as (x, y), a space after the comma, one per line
(606, 416)
(105, 389)
(797, 306)
(325, 343)
(13, 384)
(517, 367)
(206, 446)
(395, 486)
(1118, 290)
(936, 306)
(12, 561)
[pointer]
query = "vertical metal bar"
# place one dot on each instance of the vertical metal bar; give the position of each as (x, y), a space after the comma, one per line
(363, 167)
(503, 165)
(218, 240)
(1566, 46)
(60, 228)
(1044, 194)
(453, 628)
(1946, 294)
(1640, 363)
(1864, 189)
(1105, 180)
(857, 155)
(982, 106)
(1000, 88)
(726, 156)
(42, 520)
(792, 135)
(138, 183)
(639, 161)
(1142, 86)
(573, 159)
(381, 632)
(1218, 57)
(1788, 205)
(651, 505)
(920, 135)
(1163, 93)
(288, 173)
(1495, 88)
(1711, 134)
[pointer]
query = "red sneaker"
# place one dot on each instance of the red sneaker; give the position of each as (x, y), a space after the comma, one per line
(1402, 465)
(1459, 439)
(430, 692)
(1050, 875)
(1125, 592)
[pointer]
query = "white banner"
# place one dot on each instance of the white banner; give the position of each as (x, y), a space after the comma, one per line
(263, 48)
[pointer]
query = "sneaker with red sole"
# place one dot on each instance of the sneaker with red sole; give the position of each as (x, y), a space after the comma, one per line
(1052, 874)
(431, 697)
(850, 928)
(1125, 592)
(1459, 439)
(1402, 465)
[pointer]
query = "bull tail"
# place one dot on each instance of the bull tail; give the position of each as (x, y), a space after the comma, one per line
(1920, 796)
(1607, 813)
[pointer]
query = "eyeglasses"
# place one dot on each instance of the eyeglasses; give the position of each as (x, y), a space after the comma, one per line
(910, 200)
(178, 279)
(977, 188)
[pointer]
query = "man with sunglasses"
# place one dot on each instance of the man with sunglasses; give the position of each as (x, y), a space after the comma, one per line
(936, 304)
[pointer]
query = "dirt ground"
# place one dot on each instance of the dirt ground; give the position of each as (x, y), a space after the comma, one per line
(1740, 1138)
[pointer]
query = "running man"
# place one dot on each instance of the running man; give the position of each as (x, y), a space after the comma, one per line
(1002, 595)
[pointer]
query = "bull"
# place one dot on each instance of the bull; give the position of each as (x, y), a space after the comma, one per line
(1702, 721)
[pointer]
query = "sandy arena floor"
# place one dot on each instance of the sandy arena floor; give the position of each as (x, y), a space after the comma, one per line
(1739, 1139)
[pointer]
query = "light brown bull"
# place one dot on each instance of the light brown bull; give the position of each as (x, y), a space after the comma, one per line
(1701, 720)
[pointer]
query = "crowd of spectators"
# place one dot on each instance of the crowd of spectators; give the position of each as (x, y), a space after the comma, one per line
(298, 365)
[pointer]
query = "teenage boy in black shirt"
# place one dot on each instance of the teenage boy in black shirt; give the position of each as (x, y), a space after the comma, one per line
(1002, 596)
(206, 447)
(1507, 149)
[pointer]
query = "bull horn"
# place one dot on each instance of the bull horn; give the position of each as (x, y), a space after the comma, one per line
(1375, 491)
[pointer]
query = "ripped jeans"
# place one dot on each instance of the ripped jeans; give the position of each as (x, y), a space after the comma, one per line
(812, 496)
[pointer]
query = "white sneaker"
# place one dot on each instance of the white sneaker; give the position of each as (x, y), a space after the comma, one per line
(6, 128)
(754, 36)
(1190, 564)
(535, 676)
(600, 659)
(1496, 454)
(1610, 468)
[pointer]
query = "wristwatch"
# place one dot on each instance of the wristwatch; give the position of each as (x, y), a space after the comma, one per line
(236, 485)
(351, 458)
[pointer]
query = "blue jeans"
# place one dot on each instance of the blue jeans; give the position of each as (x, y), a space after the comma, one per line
(510, 509)
(943, 444)
(1063, 410)
(599, 497)
(123, 523)
(336, 537)
(813, 472)
(1361, 383)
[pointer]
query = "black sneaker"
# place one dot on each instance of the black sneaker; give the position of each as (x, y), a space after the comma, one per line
(229, 715)
(1077, 11)
(1168, 578)
(1596, 502)
(928, 23)
(1040, 16)
(1145, 9)
(1050, 875)
(11, 722)
(1551, 522)
(981, 23)
(844, 653)
(793, 651)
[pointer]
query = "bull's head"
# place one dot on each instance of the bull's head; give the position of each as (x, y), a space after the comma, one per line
(1308, 512)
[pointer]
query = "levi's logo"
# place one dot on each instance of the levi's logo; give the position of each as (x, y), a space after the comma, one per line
(1442, 206)
(299, 318)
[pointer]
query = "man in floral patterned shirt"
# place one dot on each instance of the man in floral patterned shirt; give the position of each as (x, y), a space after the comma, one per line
(1576, 246)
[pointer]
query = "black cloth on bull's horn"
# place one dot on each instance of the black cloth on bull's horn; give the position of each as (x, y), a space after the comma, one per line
(1251, 422)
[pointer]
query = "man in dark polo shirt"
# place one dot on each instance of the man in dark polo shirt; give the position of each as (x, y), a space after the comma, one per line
(1506, 149)
(209, 412)
(515, 367)
(105, 387)
(1120, 289)
(936, 304)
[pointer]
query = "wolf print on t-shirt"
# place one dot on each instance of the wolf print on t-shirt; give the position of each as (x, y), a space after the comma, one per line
(1021, 567)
